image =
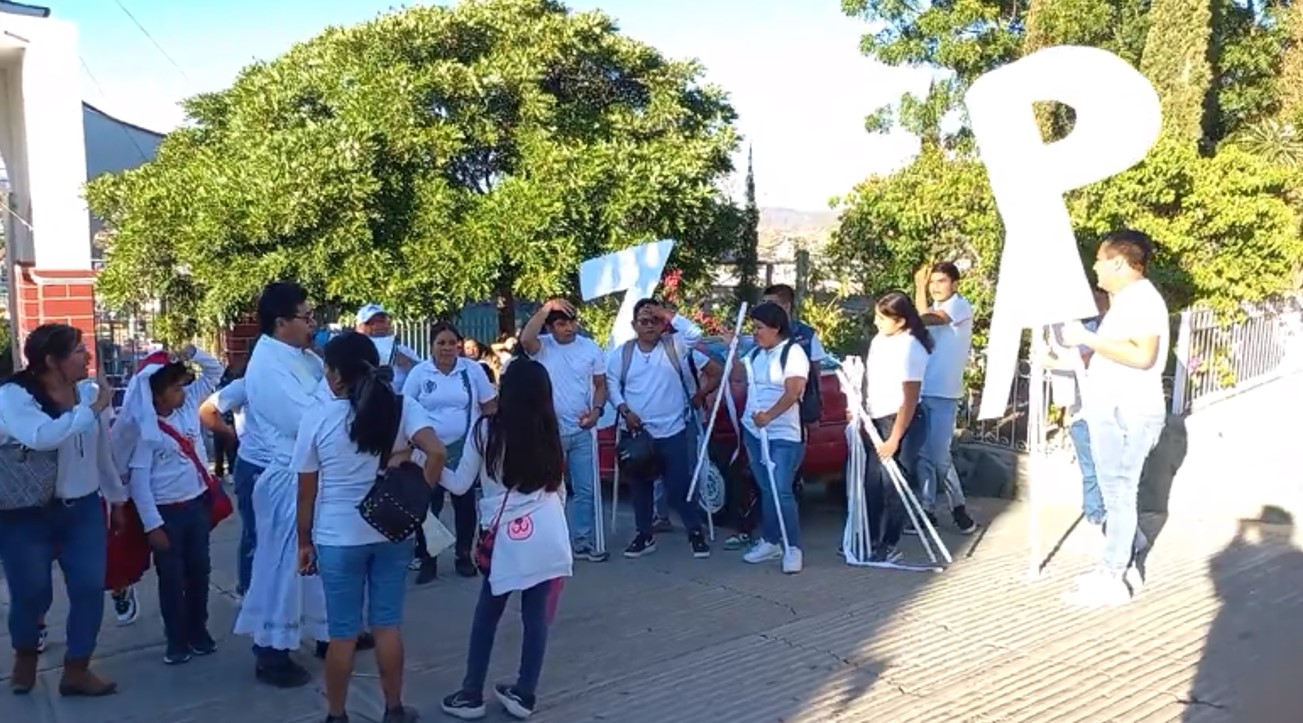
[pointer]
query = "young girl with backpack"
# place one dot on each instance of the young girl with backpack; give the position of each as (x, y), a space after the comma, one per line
(524, 541)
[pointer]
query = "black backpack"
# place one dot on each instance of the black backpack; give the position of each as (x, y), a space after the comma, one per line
(811, 404)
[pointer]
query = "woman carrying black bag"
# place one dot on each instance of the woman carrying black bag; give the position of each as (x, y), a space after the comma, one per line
(338, 454)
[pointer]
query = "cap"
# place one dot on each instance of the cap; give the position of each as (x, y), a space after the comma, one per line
(369, 312)
(161, 358)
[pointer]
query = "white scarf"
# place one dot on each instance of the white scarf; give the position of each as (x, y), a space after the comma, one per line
(137, 421)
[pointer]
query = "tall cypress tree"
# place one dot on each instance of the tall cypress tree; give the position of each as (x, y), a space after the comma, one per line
(748, 265)
(1290, 81)
(1176, 61)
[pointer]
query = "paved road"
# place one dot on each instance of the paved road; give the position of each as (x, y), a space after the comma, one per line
(669, 638)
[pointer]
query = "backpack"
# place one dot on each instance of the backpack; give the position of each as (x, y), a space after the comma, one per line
(811, 405)
(671, 346)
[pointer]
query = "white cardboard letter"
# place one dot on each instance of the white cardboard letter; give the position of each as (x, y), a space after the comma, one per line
(1118, 117)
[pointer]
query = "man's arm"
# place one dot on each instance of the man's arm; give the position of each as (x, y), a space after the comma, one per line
(1137, 352)
(688, 331)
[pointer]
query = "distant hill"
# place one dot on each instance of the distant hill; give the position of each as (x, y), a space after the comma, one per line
(810, 229)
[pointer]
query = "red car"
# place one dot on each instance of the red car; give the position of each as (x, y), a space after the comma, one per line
(825, 454)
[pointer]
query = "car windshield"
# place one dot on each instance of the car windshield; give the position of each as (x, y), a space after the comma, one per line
(716, 348)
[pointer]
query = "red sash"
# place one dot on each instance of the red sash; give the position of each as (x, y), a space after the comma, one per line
(220, 504)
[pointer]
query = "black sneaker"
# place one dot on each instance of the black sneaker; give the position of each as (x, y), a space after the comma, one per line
(700, 548)
(204, 645)
(428, 570)
(965, 523)
(176, 657)
(910, 529)
(641, 545)
(401, 714)
(584, 552)
(283, 674)
(662, 524)
(465, 566)
(464, 706)
(517, 704)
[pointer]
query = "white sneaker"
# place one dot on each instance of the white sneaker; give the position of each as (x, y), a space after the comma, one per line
(125, 608)
(793, 561)
(763, 551)
(1098, 589)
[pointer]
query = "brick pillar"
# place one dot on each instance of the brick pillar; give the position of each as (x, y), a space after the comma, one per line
(48, 296)
(237, 341)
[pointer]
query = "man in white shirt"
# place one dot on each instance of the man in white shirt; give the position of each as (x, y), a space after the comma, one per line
(374, 321)
(650, 389)
(1125, 408)
(577, 368)
(949, 318)
(283, 382)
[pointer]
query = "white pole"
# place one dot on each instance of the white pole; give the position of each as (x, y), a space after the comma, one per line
(615, 484)
(724, 388)
(599, 531)
(1036, 442)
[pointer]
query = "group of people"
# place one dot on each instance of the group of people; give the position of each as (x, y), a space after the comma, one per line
(518, 455)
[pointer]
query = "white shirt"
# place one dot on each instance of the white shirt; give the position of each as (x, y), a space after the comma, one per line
(162, 474)
(951, 345)
(445, 399)
(1134, 312)
(389, 350)
(653, 389)
(571, 367)
(893, 360)
(767, 385)
(282, 384)
(185, 419)
(345, 473)
(81, 437)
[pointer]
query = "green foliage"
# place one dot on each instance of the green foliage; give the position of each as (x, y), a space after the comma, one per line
(840, 331)
(748, 251)
(424, 159)
(1176, 62)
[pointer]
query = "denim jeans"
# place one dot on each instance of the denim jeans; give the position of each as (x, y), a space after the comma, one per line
(578, 449)
(372, 576)
(886, 510)
(183, 572)
(786, 456)
(1120, 443)
(1092, 503)
(677, 457)
(73, 532)
(537, 608)
(246, 475)
(934, 462)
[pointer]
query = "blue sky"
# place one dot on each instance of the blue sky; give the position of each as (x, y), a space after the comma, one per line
(792, 67)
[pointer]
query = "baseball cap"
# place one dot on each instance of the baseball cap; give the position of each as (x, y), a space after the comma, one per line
(369, 312)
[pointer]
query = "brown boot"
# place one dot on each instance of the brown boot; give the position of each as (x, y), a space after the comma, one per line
(79, 681)
(24, 677)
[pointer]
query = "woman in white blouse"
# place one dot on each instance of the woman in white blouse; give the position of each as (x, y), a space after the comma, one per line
(337, 455)
(454, 392)
(49, 406)
(897, 361)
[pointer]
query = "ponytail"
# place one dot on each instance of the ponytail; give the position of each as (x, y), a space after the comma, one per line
(376, 409)
(896, 305)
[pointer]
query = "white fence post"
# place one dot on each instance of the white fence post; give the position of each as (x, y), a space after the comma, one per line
(1181, 382)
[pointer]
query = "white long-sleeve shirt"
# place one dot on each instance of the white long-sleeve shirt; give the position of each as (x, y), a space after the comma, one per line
(282, 383)
(80, 436)
(162, 474)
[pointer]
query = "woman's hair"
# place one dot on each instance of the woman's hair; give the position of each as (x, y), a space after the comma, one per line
(522, 444)
(376, 413)
(896, 305)
(49, 340)
(772, 316)
(440, 327)
(170, 374)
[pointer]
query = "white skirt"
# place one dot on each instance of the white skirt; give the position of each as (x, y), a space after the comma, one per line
(281, 608)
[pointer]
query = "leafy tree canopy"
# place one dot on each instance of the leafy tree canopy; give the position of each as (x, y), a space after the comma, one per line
(426, 158)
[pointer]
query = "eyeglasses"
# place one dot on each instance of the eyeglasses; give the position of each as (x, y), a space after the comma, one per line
(309, 316)
(647, 321)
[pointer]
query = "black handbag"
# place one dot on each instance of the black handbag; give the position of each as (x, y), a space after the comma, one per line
(399, 499)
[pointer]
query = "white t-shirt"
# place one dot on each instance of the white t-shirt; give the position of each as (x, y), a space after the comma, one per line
(444, 396)
(951, 344)
(893, 360)
(767, 385)
(345, 474)
(652, 387)
(162, 474)
(1134, 312)
(571, 367)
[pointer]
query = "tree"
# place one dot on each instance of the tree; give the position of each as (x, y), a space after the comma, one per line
(1176, 62)
(427, 158)
(748, 265)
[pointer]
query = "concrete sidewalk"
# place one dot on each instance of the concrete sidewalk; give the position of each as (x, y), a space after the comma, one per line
(669, 638)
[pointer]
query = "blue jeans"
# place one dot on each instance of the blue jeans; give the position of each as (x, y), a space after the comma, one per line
(75, 533)
(661, 504)
(1120, 443)
(934, 462)
(886, 509)
(246, 474)
(536, 604)
(183, 571)
(578, 449)
(375, 573)
(677, 457)
(1092, 502)
(786, 456)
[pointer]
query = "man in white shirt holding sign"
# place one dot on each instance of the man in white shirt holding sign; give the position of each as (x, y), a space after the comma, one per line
(1125, 408)
(949, 320)
(577, 368)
